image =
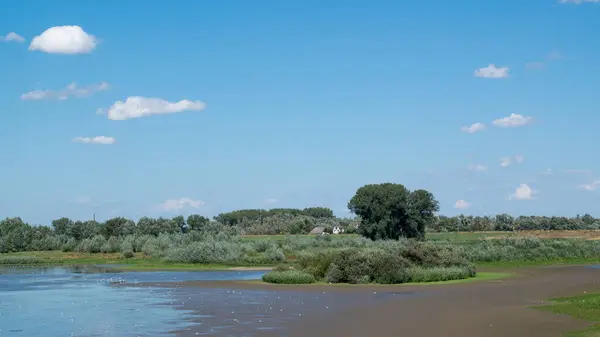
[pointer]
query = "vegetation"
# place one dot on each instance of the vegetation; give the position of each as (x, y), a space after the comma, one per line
(399, 240)
(585, 307)
(391, 211)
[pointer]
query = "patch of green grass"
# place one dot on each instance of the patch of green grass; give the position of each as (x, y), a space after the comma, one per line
(536, 263)
(465, 236)
(585, 307)
(137, 263)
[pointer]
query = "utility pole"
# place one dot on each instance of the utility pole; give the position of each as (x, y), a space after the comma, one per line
(94, 217)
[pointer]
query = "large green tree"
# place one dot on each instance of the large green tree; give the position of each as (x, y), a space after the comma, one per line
(391, 211)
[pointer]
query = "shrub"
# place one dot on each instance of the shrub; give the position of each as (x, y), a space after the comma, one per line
(436, 274)
(112, 245)
(69, 246)
(127, 254)
(93, 245)
(288, 277)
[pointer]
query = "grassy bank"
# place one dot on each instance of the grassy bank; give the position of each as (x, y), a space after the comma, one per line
(138, 262)
(585, 307)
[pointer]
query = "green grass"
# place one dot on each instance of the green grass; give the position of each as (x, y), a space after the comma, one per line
(138, 263)
(465, 236)
(585, 307)
(481, 276)
(539, 263)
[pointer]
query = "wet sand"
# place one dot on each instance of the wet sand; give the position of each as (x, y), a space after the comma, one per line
(498, 308)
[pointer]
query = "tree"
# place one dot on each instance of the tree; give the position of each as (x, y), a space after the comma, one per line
(391, 211)
(197, 222)
(180, 221)
(318, 212)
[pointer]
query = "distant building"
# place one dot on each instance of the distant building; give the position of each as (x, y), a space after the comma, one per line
(337, 230)
(318, 231)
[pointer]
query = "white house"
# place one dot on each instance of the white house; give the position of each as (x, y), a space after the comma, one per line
(338, 230)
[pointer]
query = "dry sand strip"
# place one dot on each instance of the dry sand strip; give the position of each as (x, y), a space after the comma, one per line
(499, 308)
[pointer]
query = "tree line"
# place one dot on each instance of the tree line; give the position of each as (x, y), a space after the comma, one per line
(383, 211)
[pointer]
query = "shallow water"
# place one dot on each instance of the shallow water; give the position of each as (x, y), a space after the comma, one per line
(102, 302)
(83, 301)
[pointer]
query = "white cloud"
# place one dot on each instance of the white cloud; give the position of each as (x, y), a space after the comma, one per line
(478, 168)
(547, 172)
(554, 55)
(514, 120)
(461, 204)
(178, 204)
(64, 40)
(519, 158)
(473, 128)
(491, 71)
(578, 2)
(271, 201)
(591, 186)
(136, 106)
(62, 94)
(523, 192)
(505, 161)
(95, 140)
(578, 171)
(12, 37)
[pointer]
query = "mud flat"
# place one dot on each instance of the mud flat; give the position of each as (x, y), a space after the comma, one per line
(497, 308)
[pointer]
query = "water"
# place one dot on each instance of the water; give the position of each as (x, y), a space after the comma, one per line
(102, 302)
(84, 301)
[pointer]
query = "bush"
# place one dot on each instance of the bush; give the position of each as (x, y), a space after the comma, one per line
(127, 254)
(289, 277)
(437, 274)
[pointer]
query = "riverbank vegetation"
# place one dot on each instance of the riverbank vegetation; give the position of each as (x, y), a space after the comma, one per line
(585, 307)
(393, 226)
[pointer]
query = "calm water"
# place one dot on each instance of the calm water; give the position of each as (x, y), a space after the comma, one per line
(84, 302)
(95, 301)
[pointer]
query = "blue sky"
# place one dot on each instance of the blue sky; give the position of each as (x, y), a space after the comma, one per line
(296, 104)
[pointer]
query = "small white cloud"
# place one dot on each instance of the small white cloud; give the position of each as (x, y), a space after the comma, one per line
(271, 201)
(12, 37)
(491, 71)
(178, 204)
(519, 158)
(547, 172)
(578, 2)
(505, 161)
(477, 168)
(578, 171)
(514, 120)
(554, 55)
(473, 128)
(461, 204)
(64, 40)
(591, 186)
(70, 90)
(523, 192)
(95, 140)
(136, 106)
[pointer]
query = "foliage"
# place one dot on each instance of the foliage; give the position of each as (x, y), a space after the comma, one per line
(289, 277)
(391, 211)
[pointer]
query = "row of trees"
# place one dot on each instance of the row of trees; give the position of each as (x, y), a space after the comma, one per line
(383, 211)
